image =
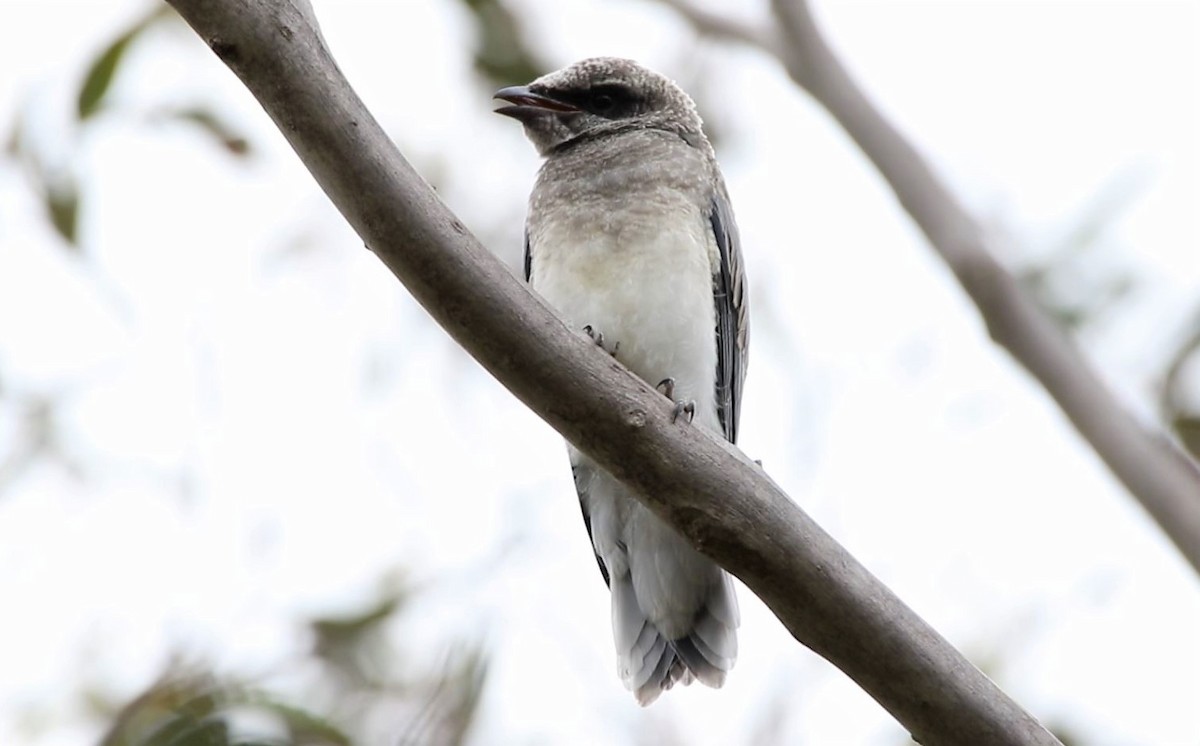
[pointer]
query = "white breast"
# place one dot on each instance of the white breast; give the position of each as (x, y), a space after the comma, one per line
(644, 282)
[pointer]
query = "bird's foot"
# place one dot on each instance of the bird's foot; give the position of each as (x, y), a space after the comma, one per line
(666, 387)
(684, 407)
(598, 338)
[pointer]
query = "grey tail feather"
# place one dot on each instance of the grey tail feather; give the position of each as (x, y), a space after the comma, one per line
(667, 671)
(646, 661)
(649, 664)
(710, 649)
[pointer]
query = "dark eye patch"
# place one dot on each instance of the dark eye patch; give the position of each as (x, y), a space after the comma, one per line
(602, 103)
(608, 100)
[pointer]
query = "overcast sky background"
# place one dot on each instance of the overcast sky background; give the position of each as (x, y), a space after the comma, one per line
(268, 424)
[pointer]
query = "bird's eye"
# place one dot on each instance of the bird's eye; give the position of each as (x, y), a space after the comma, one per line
(603, 103)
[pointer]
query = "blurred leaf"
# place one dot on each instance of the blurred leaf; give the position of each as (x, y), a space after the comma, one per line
(1060, 288)
(333, 631)
(354, 645)
(185, 729)
(1064, 283)
(1077, 314)
(1187, 427)
(211, 124)
(464, 690)
(37, 436)
(501, 53)
(100, 76)
(103, 69)
(168, 710)
(304, 727)
(453, 702)
(195, 707)
(1105, 208)
(1065, 734)
(193, 710)
(62, 204)
(15, 140)
(56, 186)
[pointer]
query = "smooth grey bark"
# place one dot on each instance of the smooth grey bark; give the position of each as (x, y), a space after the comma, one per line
(1160, 476)
(712, 493)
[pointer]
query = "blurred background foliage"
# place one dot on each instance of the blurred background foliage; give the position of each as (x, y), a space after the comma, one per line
(360, 678)
(360, 683)
(362, 689)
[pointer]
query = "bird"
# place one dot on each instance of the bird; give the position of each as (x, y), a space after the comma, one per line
(631, 238)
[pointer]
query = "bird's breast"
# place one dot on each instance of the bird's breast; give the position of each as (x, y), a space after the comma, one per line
(639, 271)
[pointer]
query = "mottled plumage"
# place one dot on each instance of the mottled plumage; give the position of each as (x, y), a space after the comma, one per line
(631, 234)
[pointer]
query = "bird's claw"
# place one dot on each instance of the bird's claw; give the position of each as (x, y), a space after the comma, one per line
(666, 387)
(598, 338)
(684, 407)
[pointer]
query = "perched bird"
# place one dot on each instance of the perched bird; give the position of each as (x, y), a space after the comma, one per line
(630, 237)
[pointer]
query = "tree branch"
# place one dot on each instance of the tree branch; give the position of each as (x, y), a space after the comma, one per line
(721, 27)
(726, 505)
(1160, 476)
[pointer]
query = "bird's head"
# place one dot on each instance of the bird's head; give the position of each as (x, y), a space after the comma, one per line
(595, 97)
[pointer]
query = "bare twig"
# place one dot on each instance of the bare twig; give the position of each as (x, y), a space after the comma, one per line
(724, 28)
(1160, 476)
(728, 507)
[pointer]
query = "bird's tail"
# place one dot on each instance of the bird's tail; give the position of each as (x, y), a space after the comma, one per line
(650, 664)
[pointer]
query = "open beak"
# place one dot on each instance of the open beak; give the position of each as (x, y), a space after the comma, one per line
(526, 103)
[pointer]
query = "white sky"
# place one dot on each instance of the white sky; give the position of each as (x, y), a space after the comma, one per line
(330, 432)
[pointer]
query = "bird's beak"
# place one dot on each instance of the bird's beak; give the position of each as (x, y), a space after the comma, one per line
(526, 103)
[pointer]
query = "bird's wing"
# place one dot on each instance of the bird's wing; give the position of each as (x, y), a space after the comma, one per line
(733, 327)
(528, 259)
(584, 475)
(582, 472)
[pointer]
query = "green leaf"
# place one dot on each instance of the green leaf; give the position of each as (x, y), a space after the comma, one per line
(186, 729)
(303, 726)
(100, 75)
(335, 630)
(62, 204)
(1188, 429)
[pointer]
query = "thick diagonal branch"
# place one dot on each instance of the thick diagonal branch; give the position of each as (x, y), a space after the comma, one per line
(1160, 476)
(707, 489)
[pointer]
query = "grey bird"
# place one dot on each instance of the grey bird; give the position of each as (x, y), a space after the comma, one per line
(631, 238)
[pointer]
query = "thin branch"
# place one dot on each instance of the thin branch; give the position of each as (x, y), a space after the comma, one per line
(725, 504)
(1157, 473)
(721, 27)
